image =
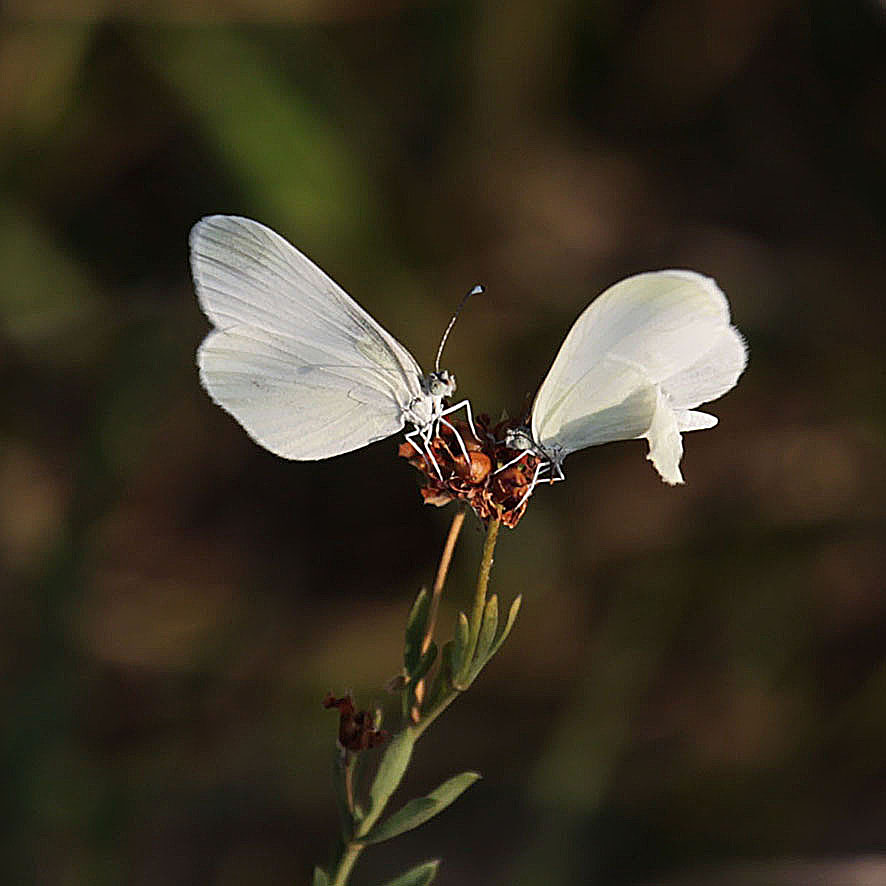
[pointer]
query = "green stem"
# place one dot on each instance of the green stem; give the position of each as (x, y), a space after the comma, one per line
(352, 849)
(345, 864)
(428, 717)
(479, 601)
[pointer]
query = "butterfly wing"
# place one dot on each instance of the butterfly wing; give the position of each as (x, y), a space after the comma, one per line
(604, 382)
(711, 376)
(300, 365)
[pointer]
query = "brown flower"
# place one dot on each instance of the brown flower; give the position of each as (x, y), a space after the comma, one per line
(356, 729)
(474, 480)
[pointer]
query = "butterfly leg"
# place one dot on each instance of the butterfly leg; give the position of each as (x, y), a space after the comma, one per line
(534, 483)
(430, 457)
(513, 461)
(467, 407)
(461, 442)
(408, 437)
(556, 470)
(428, 432)
(426, 451)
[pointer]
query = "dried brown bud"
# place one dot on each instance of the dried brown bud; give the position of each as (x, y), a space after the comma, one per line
(356, 729)
(477, 471)
(474, 480)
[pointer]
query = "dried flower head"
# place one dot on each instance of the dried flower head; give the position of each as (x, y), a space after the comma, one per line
(475, 481)
(357, 730)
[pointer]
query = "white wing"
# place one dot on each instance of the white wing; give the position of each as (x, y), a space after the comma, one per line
(611, 400)
(715, 373)
(306, 371)
(711, 376)
(641, 335)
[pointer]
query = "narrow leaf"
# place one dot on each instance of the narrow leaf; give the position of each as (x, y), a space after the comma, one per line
(425, 662)
(390, 769)
(417, 812)
(359, 764)
(423, 666)
(488, 628)
(416, 625)
(460, 650)
(454, 787)
(410, 816)
(442, 678)
(512, 617)
(420, 875)
(321, 878)
(339, 780)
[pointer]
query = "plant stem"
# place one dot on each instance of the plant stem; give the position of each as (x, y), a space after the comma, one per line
(343, 869)
(428, 717)
(442, 570)
(476, 618)
(351, 852)
(349, 782)
(458, 520)
(479, 599)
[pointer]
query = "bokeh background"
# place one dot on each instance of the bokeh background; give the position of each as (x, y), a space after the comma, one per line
(696, 689)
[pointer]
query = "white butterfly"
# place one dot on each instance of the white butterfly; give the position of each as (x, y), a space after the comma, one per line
(637, 362)
(300, 365)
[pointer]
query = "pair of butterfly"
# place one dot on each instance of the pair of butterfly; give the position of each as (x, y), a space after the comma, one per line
(309, 374)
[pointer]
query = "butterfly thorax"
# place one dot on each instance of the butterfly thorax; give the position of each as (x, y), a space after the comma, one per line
(425, 408)
(521, 440)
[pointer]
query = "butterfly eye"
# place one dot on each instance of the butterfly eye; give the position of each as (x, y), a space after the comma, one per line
(441, 384)
(518, 439)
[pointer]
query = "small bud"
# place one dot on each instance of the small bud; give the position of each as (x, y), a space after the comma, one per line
(477, 471)
(357, 730)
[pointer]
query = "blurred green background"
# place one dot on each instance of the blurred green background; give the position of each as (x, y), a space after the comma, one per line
(696, 689)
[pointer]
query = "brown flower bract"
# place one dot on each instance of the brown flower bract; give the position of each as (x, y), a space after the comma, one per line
(475, 482)
(356, 729)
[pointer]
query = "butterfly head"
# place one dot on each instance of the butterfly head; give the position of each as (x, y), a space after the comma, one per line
(519, 439)
(439, 384)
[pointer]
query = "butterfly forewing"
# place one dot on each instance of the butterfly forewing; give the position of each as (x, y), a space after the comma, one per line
(306, 371)
(611, 400)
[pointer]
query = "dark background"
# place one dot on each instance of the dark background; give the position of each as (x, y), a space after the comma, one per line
(696, 689)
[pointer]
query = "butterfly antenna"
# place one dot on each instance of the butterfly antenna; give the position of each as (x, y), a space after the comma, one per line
(477, 290)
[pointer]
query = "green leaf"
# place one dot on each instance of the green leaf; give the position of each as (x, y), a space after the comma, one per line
(488, 627)
(420, 875)
(425, 662)
(417, 812)
(460, 650)
(442, 678)
(410, 816)
(512, 617)
(423, 666)
(416, 624)
(359, 764)
(390, 769)
(339, 775)
(321, 878)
